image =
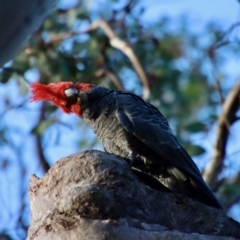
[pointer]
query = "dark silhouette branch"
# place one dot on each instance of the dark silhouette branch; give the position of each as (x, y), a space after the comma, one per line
(217, 77)
(38, 140)
(220, 42)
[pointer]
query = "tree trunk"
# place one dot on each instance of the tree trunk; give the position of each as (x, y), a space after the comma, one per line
(95, 195)
(19, 19)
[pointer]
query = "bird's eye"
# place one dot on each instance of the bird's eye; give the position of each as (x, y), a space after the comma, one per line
(70, 92)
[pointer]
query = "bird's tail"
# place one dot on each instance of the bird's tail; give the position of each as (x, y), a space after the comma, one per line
(202, 193)
(185, 178)
(199, 190)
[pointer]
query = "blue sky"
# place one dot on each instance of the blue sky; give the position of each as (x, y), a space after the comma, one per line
(224, 11)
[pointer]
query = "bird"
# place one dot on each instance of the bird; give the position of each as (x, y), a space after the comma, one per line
(134, 130)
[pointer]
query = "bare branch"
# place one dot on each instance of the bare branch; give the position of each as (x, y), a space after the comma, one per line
(217, 78)
(62, 36)
(104, 72)
(225, 120)
(124, 47)
(117, 43)
(220, 42)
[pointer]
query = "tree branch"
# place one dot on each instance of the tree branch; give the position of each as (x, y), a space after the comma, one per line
(39, 150)
(225, 120)
(105, 72)
(124, 47)
(18, 26)
(117, 43)
(220, 42)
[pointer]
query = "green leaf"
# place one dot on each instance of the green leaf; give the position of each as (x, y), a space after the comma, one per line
(5, 76)
(195, 150)
(23, 87)
(40, 128)
(195, 127)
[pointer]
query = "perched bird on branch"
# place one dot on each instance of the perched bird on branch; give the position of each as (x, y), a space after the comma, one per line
(134, 130)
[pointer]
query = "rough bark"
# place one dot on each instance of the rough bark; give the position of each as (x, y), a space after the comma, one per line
(95, 195)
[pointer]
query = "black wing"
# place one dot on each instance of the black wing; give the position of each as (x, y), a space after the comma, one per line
(145, 122)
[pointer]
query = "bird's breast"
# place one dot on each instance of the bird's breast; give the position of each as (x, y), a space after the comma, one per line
(111, 133)
(116, 140)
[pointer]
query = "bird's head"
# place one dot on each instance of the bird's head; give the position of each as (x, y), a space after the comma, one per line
(65, 95)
